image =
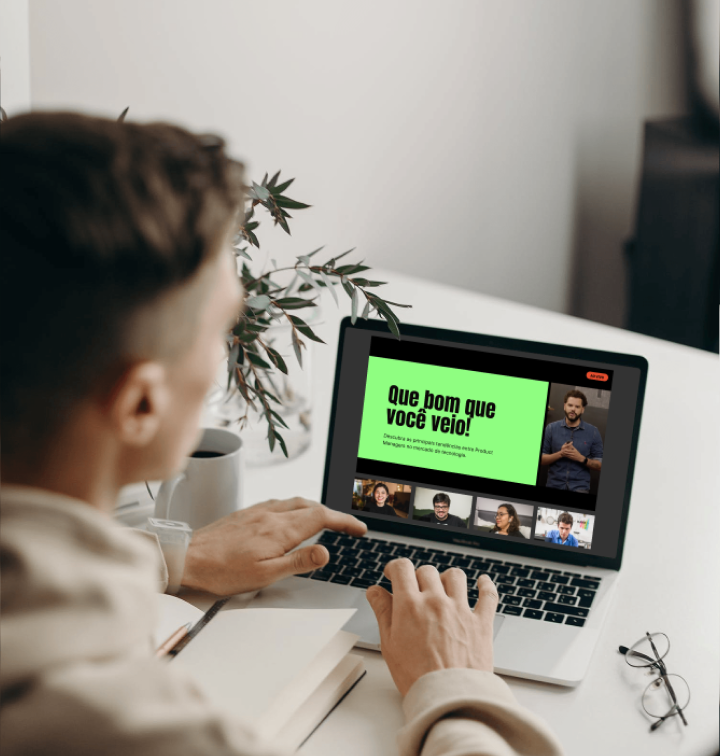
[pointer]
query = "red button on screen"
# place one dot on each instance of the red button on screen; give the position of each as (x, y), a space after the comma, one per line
(597, 376)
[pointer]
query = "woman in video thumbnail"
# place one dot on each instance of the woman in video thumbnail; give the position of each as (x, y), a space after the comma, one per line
(379, 504)
(507, 522)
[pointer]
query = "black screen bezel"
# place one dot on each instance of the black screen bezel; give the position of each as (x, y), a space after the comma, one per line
(579, 558)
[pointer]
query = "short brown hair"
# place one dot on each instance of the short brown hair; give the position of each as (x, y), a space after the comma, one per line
(576, 395)
(97, 219)
(566, 518)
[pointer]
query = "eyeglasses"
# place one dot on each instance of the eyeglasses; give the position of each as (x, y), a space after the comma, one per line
(666, 695)
(441, 506)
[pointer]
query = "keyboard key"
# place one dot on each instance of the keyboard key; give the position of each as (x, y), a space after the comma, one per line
(383, 547)
(579, 583)
(569, 600)
(503, 580)
(526, 592)
(532, 603)
(547, 569)
(525, 583)
(372, 575)
(403, 551)
(532, 614)
(566, 590)
(501, 569)
(562, 579)
(537, 575)
(328, 536)
(546, 596)
(462, 562)
(586, 603)
(504, 590)
(320, 575)
(520, 572)
(546, 587)
(512, 600)
(552, 617)
(492, 561)
(333, 548)
(575, 621)
(572, 574)
(341, 579)
(364, 544)
(514, 610)
(586, 593)
(441, 558)
(575, 611)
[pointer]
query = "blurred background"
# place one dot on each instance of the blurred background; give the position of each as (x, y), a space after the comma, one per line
(561, 153)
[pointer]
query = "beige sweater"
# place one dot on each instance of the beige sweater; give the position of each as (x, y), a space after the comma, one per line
(78, 675)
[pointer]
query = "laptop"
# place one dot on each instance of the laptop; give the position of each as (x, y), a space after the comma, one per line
(496, 455)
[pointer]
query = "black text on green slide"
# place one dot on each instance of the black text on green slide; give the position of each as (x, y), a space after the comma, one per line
(478, 424)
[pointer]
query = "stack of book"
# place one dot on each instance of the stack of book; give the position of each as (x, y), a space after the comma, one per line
(279, 671)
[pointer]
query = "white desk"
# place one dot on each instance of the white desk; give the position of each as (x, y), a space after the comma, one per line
(671, 566)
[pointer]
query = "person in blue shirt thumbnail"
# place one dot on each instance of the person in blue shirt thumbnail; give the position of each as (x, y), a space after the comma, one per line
(571, 447)
(562, 535)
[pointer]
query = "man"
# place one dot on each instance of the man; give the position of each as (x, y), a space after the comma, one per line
(116, 289)
(441, 514)
(571, 447)
(562, 534)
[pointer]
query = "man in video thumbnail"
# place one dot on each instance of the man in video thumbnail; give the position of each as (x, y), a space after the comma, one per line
(572, 447)
(441, 515)
(562, 535)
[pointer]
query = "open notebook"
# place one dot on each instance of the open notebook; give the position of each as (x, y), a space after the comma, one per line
(279, 671)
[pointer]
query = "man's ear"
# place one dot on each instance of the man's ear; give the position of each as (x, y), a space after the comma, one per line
(138, 403)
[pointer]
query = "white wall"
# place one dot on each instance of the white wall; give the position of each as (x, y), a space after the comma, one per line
(476, 141)
(15, 56)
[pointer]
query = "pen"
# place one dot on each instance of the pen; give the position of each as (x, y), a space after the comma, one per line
(166, 647)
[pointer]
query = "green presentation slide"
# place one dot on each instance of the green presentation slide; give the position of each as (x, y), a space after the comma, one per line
(479, 424)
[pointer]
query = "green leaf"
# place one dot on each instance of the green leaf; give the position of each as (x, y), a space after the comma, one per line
(328, 285)
(279, 419)
(299, 304)
(291, 203)
(347, 270)
(260, 192)
(308, 279)
(272, 181)
(354, 306)
(241, 252)
(282, 187)
(276, 359)
(281, 441)
(366, 311)
(122, 115)
(297, 344)
(258, 303)
(257, 360)
(315, 251)
(349, 290)
(389, 315)
(395, 304)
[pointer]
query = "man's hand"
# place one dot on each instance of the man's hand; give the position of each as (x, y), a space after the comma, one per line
(249, 549)
(569, 450)
(426, 623)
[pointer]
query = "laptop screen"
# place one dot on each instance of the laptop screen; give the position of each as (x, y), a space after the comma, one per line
(508, 445)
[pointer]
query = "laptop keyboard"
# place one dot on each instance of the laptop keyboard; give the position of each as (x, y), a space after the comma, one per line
(536, 593)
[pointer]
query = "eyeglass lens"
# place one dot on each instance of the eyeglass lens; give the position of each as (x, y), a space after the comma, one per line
(648, 650)
(665, 695)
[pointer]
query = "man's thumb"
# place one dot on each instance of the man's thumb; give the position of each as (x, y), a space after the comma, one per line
(381, 603)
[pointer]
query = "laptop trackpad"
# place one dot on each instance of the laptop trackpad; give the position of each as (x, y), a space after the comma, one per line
(302, 593)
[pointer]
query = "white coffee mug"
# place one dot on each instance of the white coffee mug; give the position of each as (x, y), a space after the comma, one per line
(209, 487)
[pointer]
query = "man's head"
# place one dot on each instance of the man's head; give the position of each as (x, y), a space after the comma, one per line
(574, 405)
(565, 523)
(116, 284)
(441, 505)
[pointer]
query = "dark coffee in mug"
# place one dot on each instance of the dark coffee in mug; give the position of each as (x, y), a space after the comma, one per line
(207, 454)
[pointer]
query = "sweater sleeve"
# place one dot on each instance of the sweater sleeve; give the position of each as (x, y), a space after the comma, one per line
(162, 574)
(464, 712)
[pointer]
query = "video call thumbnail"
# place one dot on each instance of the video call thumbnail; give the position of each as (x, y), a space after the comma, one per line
(379, 497)
(503, 518)
(574, 438)
(564, 528)
(442, 508)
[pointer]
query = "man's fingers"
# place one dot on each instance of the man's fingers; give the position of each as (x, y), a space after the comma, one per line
(487, 600)
(428, 578)
(381, 602)
(454, 581)
(307, 521)
(288, 505)
(401, 573)
(296, 562)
